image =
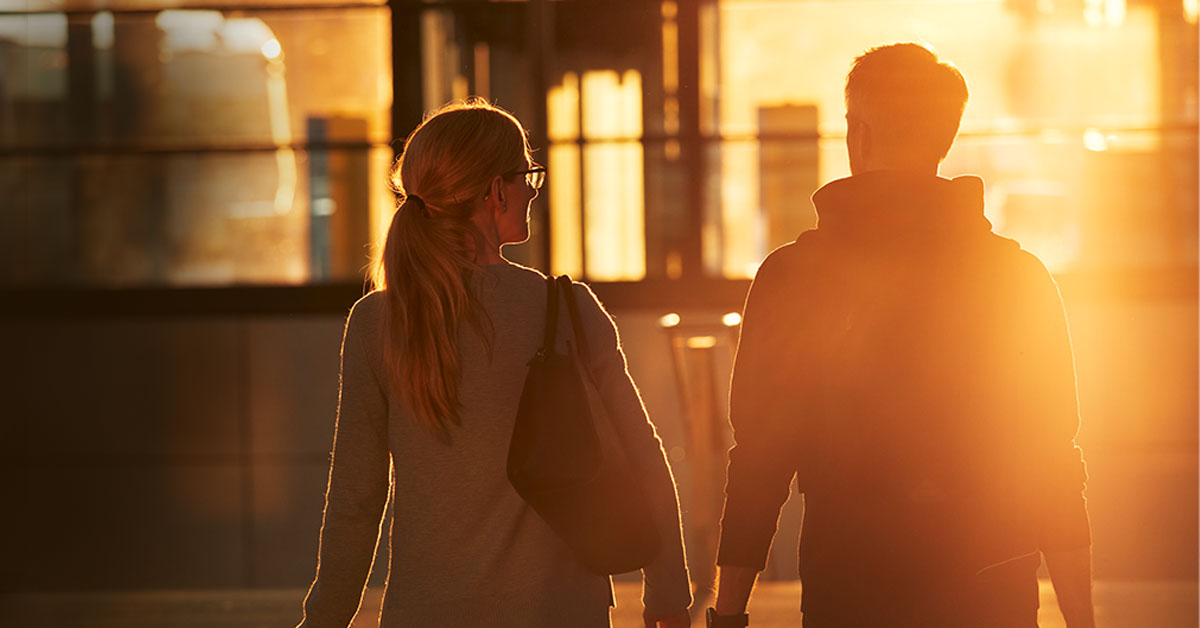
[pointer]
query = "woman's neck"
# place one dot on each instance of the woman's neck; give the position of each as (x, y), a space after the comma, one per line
(489, 257)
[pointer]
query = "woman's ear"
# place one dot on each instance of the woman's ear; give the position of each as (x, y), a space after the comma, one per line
(495, 192)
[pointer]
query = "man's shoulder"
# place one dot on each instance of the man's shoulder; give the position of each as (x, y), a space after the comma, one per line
(1014, 260)
(795, 255)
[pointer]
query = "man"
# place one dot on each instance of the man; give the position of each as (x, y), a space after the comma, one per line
(912, 371)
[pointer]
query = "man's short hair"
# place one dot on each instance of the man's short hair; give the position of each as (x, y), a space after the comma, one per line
(912, 99)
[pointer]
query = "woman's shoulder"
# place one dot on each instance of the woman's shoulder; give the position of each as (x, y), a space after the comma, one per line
(591, 309)
(369, 304)
(515, 270)
(511, 279)
(365, 312)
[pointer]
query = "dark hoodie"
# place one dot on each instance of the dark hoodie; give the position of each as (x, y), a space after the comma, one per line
(912, 370)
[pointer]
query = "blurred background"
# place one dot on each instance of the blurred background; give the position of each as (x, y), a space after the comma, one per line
(191, 191)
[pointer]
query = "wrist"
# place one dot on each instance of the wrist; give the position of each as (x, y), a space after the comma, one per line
(715, 619)
(724, 607)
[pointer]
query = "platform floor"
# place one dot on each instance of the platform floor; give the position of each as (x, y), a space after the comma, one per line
(1171, 604)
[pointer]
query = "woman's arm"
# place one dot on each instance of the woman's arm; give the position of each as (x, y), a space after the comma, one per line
(667, 587)
(358, 485)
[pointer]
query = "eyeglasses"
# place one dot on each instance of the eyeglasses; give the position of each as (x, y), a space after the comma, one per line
(534, 176)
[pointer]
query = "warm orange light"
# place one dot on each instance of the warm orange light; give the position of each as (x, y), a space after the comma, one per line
(566, 231)
(483, 70)
(669, 320)
(1118, 81)
(614, 222)
(1103, 12)
(562, 109)
(102, 30)
(732, 319)
(271, 49)
(701, 342)
(1094, 140)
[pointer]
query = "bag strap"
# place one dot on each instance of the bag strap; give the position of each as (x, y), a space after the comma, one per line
(576, 322)
(551, 329)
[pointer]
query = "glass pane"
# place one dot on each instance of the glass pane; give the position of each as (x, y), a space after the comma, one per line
(614, 211)
(604, 84)
(1090, 201)
(620, 205)
(669, 224)
(1027, 64)
(187, 78)
(480, 50)
(566, 211)
(603, 181)
(201, 219)
(1082, 121)
(618, 53)
(30, 6)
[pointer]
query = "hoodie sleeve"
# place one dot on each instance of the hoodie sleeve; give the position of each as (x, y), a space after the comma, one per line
(761, 464)
(1050, 389)
(667, 588)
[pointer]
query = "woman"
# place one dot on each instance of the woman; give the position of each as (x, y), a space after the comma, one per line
(433, 364)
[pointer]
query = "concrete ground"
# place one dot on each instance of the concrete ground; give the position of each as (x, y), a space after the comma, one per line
(1170, 604)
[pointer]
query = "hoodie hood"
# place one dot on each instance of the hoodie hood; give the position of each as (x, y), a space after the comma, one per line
(892, 207)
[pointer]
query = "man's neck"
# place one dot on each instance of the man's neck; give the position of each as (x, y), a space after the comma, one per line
(926, 170)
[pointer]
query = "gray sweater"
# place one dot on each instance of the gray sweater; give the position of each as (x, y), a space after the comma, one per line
(465, 548)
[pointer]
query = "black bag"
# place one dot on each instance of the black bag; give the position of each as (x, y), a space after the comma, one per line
(566, 461)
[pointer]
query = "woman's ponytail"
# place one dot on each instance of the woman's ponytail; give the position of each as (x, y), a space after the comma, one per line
(429, 255)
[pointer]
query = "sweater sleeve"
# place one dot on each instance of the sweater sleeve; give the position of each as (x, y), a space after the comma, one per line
(761, 463)
(358, 486)
(1050, 389)
(667, 588)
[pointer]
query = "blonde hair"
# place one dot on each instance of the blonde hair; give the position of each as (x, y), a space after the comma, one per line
(913, 99)
(447, 165)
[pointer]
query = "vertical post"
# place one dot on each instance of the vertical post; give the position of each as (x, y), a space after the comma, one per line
(583, 182)
(246, 460)
(693, 149)
(706, 445)
(542, 27)
(81, 77)
(81, 98)
(407, 102)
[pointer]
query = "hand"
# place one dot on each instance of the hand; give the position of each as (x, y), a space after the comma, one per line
(675, 620)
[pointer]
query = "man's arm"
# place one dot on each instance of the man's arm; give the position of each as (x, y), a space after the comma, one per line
(734, 585)
(762, 462)
(1065, 532)
(1071, 573)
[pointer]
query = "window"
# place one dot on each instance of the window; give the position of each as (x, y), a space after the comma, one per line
(583, 76)
(151, 146)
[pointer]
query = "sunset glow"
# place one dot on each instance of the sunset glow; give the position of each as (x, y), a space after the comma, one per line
(1024, 77)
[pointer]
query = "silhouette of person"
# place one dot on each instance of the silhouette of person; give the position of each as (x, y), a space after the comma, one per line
(433, 365)
(913, 372)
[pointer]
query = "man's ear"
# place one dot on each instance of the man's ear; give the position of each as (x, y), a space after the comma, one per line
(864, 137)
